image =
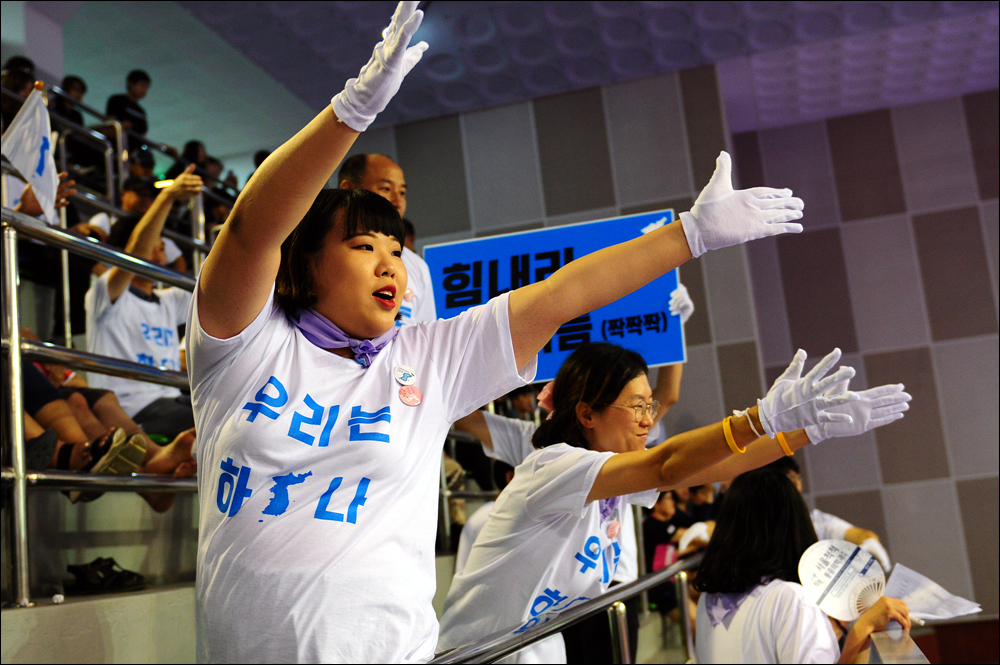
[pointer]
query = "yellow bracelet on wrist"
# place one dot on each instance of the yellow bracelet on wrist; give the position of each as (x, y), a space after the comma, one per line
(727, 429)
(784, 444)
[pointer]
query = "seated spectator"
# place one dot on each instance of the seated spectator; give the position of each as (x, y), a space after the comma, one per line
(76, 88)
(700, 506)
(523, 405)
(125, 108)
(829, 527)
(753, 609)
(127, 318)
(141, 162)
(138, 194)
(193, 153)
(662, 531)
(21, 64)
(19, 82)
(111, 445)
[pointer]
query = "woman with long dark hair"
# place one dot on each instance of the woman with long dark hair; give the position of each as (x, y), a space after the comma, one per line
(553, 538)
(753, 609)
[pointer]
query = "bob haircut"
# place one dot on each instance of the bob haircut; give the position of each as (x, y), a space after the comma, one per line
(360, 211)
(594, 374)
(760, 535)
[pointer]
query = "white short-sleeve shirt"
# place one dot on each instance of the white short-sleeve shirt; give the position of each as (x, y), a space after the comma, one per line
(829, 527)
(318, 486)
(544, 548)
(512, 443)
(775, 624)
(137, 328)
(421, 306)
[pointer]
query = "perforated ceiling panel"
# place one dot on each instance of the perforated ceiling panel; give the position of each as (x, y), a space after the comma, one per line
(800, 58)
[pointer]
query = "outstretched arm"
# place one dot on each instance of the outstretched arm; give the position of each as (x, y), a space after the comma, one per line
(720, 217)
(475, 424)
(146, 234)
(239, 272)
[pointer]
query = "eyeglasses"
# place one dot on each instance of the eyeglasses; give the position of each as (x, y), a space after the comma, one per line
(642, 409)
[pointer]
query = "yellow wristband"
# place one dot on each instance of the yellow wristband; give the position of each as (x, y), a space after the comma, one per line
(727, 429)
(784, 445)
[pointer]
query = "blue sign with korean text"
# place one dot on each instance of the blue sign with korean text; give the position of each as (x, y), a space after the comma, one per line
(470, 272)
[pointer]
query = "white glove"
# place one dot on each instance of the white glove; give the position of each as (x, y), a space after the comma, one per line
(795, 401)
(873, 547)
(366, 96)
(681, 304)
(873, 408)
(723, 216)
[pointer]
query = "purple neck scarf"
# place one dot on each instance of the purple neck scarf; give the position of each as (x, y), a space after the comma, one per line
(325, 334)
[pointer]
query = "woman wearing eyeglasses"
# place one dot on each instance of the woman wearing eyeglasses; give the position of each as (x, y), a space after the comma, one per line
(552, 541)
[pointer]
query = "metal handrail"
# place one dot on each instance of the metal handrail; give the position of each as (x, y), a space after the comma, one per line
(89, 199)
(894, 645)
(89, 109)
(71, 480)
(92, 362)
(503, 643)
(33, 228)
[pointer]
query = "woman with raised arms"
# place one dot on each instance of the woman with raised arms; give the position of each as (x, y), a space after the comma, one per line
(553, 538)
(320, 423)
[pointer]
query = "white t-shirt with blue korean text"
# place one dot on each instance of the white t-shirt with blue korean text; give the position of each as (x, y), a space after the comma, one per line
(776, 623)
(318, 486)
(512, 443)
(136, 328)
(420, 306)
(544, 548)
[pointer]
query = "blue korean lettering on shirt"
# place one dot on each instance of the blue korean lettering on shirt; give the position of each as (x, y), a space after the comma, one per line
(157, 335)
(279, 501)
(549, 602)
(232, 487)
(592, 553)
(360, 497)
(405, 313)
(146, 359)
(359, 418)
(298, 420)
(264, 401)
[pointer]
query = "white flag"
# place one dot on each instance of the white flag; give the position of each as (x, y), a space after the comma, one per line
(27, 143)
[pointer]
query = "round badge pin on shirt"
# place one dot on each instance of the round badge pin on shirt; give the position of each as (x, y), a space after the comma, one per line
(404, 375)
(408, 295)
(410, 395)
(614, 528)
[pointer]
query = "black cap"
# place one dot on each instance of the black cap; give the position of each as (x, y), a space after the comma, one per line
(143, 157)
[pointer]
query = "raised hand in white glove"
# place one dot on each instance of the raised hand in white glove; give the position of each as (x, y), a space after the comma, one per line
(795, 402)
(723, 216)
(366, 96)
(873, 408)
(681, 304)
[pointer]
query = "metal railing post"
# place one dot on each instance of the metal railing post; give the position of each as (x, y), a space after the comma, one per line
(445, 508)
(619, 633)
(197, 229)
(123, 154)
(683, 603)
(640, 543)
(109, 169)
(64, 255)
(15, 419)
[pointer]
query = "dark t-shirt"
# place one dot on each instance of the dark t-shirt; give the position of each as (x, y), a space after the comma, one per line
(123, 108)
(656, 532)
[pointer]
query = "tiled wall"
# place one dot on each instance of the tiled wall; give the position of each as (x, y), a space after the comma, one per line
(898, 267)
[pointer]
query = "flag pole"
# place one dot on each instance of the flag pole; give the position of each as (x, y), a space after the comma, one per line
(67, 326)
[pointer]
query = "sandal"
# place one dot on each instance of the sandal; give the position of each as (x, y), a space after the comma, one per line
(102, 575)
(112, 454)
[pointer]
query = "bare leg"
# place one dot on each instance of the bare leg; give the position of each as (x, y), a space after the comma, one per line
(81, 412)
(57, 415)
(31, 427)
(110, 412)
